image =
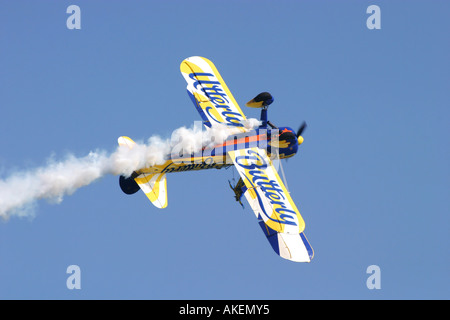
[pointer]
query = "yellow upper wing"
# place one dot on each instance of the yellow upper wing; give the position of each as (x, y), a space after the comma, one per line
(210, 94)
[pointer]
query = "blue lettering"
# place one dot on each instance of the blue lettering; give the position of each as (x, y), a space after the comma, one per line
(215, 91)
(210, 115)
(271, 189)
(194, 76)
(218, 97)
(286, 216)
(252, 166)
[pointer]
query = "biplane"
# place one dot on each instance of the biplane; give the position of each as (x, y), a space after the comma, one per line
(251, 151)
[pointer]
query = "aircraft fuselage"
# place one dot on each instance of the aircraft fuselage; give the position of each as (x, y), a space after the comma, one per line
(279, 143)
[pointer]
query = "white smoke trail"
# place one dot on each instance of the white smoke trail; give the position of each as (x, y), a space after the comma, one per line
(20, 191)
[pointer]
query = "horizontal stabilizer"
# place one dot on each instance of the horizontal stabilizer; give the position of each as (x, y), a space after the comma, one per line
(154, 187)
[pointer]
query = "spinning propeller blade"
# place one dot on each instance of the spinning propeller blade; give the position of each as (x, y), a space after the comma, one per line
(299, 133)
(301, 129)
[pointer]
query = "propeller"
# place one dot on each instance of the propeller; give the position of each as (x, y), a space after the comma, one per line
(300, 131)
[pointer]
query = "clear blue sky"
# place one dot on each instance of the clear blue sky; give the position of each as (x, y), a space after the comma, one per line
(371, 179)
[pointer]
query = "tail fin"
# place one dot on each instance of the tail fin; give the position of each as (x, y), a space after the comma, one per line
(125, 141)
(153, 185)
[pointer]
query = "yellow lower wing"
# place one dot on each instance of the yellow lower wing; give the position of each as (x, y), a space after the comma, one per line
(274, 208)
(268, 196)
